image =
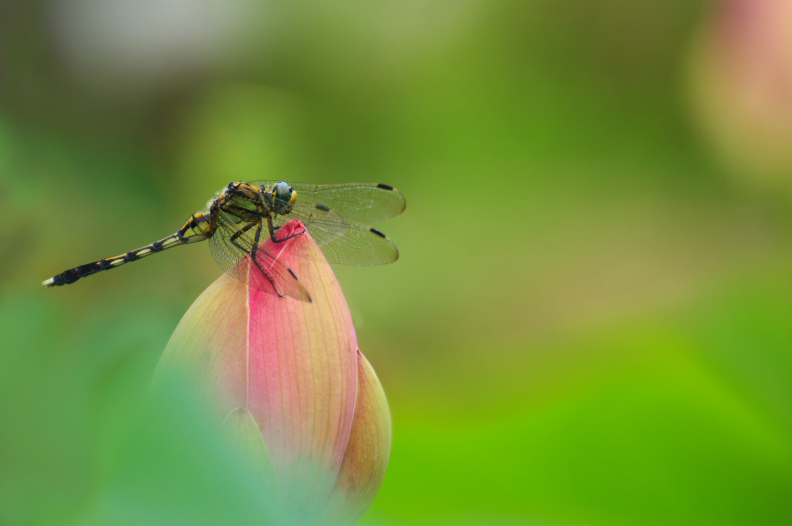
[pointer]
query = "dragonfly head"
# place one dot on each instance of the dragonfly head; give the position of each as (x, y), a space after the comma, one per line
(284, 197)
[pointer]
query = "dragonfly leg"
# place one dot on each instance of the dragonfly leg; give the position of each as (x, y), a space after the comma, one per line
(273, 233)
(239, 232)
(254, 251)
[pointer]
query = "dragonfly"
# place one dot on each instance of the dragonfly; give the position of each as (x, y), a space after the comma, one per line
(240, 217)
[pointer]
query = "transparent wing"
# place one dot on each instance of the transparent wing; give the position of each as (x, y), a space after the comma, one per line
(345, 242)
(364, 203)
(232, 248)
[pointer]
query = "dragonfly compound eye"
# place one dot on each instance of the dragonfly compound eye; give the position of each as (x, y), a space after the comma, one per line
(282, 192)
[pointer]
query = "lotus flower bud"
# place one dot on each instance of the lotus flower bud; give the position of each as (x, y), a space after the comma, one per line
(291, 385)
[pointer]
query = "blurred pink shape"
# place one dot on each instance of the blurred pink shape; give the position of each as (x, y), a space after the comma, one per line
(742, 85)
(291, 383)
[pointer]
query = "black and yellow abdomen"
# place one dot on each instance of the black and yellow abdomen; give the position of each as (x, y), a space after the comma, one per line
(197, 228)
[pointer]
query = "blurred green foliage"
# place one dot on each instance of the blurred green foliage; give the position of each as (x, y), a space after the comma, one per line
(590, 319)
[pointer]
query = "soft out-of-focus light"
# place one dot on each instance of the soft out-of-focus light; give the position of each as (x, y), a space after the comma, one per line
(741, 72)
(135, 45)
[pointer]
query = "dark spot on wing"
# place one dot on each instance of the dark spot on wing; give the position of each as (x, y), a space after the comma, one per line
(377, 232)
(384, 186)
(323, 208)
(292, 273)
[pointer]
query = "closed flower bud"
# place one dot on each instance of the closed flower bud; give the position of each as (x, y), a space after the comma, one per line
(291, 385)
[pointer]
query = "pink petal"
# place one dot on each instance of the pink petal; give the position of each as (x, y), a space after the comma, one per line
(302, 364)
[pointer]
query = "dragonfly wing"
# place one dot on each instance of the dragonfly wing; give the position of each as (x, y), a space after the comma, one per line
(364, 203)
(232, 248)
(348, 243)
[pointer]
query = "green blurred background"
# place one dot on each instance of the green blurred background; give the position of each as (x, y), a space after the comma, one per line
(590, 322)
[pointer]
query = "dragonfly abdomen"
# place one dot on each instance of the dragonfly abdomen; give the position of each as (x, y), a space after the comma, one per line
(197, 228)
(73, 274)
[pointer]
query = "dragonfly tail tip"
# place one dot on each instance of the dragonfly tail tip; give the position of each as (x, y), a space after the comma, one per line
(48, 282)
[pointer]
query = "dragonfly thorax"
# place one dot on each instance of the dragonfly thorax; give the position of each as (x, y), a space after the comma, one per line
(245, 202)
(239, 203)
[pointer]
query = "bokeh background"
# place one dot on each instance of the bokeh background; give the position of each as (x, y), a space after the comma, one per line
(591, 319)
